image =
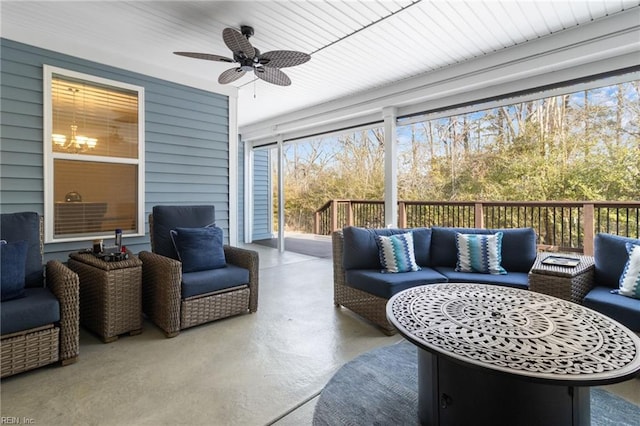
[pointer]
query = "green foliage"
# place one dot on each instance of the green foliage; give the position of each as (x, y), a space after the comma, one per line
(582, 146)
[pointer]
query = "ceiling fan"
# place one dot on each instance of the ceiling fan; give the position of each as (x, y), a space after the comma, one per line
(266, 66)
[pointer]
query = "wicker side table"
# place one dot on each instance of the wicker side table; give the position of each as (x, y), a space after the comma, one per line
(110, 295)
(564, 282)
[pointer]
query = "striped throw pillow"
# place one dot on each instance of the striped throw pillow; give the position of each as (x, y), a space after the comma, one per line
(397, 253)
(480, 253)
(630, 278)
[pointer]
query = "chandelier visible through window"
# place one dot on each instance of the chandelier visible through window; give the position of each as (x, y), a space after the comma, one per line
(74, 142)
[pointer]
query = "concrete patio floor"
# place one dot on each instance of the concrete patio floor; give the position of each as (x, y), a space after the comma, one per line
(252, 369)
(259, 369)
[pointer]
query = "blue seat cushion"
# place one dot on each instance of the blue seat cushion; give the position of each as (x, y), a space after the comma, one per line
(386, 285)
(361, 247)
(166, 218)
(518, 247)
(39, 307)
(25, 226)
(610, 256)
(202, 282)
(625, 310)
(511, 279)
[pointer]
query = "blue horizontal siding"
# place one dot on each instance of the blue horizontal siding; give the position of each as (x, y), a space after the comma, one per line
(186, 136)
(261, 196)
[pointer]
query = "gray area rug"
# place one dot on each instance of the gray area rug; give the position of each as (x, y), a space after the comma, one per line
(380, 387)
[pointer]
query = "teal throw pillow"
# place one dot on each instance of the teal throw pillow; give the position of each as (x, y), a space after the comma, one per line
(199, 249)
(13, 261)
(630, 278)
(480, 253)
(397, 253)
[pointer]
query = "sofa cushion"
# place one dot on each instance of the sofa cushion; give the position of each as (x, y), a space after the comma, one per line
(511, 279)
(13, 258)
(39, 307)
(25, 226)
(479, 253)
(625, 310)
(199, 249)
(630, 278)
(361, 248)
(166, 218)
(386, 285)
(396, 253)
(202, 282)
(610, 256)
(518, 247)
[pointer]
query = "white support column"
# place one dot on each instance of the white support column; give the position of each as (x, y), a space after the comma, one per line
(390, 167)
(248, 193)
(281, 223)
(233, 170)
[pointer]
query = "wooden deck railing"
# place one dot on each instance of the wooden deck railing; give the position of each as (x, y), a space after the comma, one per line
(560, 225)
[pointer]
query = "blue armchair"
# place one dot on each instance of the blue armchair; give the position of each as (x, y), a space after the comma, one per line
(39, 318)
(190, 277)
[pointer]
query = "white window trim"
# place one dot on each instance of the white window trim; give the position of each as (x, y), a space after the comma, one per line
(50, 155)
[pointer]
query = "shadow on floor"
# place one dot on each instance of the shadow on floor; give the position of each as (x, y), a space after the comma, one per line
(310, 245)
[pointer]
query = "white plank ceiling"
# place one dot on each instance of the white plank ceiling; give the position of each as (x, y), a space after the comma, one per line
(356, 46)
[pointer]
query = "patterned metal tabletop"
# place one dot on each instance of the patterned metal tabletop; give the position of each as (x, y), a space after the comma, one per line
(516, 331)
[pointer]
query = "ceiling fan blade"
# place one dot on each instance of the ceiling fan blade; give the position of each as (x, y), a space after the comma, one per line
(236, 42)
(230, 75)
(273, 76)
(207, 56)
(283, 58)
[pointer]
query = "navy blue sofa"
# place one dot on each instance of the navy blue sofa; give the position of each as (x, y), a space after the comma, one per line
(610, 256)
(360, 285)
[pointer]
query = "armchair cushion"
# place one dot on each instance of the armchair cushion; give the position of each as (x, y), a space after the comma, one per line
(13, 258)
(166, 218)
(199, 249)
(25, 226)
(202, 282)
(39, 307)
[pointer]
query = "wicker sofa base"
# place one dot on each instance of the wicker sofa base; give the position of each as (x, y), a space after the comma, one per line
(29, 349)
(202, 309)
(366, 305)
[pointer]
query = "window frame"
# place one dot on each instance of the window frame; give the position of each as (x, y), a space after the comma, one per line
(50, 155)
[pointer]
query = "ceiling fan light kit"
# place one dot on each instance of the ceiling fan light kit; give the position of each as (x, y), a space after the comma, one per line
(266, 66)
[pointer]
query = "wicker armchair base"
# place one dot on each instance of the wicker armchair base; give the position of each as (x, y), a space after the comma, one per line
(29, 349)
(199, 310)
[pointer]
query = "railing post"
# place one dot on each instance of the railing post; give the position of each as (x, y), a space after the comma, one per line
(349, 213)
(479, 215)
(334, 215)
(402, 215)
(589, 227)
(316, 223)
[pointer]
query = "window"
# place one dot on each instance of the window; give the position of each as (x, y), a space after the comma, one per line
(93, 156)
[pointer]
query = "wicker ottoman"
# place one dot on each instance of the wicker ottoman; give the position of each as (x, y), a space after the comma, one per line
(110, 295)
(564, 282)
